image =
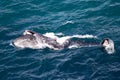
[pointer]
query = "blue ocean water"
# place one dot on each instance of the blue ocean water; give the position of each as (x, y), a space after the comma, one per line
(96, 17)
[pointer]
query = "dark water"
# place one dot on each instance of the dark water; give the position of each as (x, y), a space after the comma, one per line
(97, 17)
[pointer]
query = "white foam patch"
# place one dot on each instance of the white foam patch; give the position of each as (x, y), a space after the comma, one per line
(74, 46)
(59, 34)
(68, 22)
(63, 39)
(51, 35)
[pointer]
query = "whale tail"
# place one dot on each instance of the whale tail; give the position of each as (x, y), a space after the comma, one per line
(108, 45)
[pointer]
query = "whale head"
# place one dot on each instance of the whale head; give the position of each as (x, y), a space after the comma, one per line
(27, 40)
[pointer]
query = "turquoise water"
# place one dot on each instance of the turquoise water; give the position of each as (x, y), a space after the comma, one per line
(100, 18)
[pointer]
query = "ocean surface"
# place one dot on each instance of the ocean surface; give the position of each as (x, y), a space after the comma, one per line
(99, 18)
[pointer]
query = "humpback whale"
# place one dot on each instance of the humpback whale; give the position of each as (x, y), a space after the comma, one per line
(34, 40)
